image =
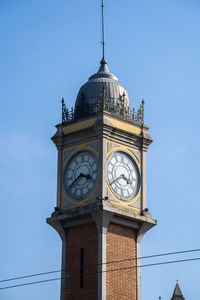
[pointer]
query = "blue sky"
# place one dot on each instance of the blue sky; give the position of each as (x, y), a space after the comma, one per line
(48, 50)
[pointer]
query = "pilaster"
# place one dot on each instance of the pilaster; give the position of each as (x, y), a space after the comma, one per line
(102, 219)
(58, 226)
(144, 227)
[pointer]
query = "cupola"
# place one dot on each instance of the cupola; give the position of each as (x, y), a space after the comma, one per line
(103, 88)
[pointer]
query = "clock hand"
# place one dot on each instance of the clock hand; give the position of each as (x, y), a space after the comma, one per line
(116, 179)
(124, 177)
(86, 176)
(79, 176)
(75, 180)
(127, 180)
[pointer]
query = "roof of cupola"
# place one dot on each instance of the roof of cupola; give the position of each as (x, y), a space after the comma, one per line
(104, 71)
(103, 82)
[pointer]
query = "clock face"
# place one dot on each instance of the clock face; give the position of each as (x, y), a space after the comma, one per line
(80, 175)
(123, 175)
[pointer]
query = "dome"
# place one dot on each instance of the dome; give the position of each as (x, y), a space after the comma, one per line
(103, 85)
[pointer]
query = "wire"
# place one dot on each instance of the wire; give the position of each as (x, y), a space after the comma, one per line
(32, 275)
(106, 271)
(107, 263)
(29, 283)
(155, 255)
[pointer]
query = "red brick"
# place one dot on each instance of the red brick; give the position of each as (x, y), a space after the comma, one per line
(121, 246)
(86, 237)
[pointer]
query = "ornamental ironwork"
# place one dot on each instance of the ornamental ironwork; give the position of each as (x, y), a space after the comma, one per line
(104, 104)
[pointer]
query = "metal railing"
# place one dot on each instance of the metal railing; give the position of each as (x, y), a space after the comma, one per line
(115, 108)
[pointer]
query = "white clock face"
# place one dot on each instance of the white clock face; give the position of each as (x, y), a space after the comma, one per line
(123, 175)
(80, 175)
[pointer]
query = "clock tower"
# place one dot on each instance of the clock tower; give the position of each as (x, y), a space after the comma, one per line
(101, 213)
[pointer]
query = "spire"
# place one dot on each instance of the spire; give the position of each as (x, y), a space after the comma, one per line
(177, 295)
(103, 40)
(103, 67)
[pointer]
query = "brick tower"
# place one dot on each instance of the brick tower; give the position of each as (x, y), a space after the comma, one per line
(101, 213)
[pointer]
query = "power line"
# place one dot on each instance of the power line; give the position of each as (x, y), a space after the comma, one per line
(107, 263)
(106, 271)
(29, 283)
(31, 275)
(155, 255)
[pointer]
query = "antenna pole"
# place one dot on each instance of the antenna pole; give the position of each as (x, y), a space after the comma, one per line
(103, 40)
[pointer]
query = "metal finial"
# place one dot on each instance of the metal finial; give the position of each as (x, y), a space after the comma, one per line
(103, 40)
(64, 110)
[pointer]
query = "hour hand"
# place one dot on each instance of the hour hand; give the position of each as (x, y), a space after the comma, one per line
(127, 180)
(86, 176)
(123, 177)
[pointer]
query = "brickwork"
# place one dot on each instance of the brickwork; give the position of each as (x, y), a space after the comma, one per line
(86, 237)
(121, 245)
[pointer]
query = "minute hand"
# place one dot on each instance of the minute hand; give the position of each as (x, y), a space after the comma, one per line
(116, 179)
(75, 180)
